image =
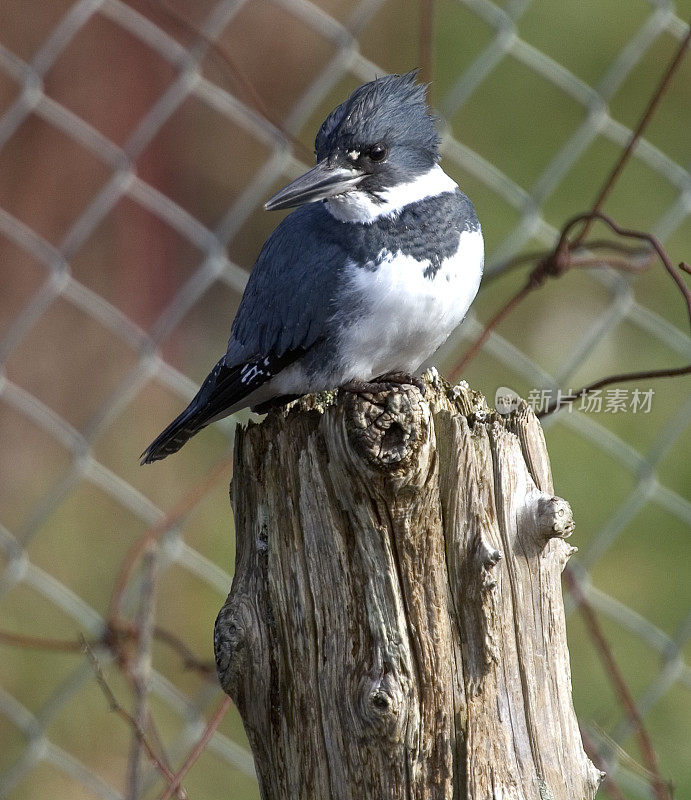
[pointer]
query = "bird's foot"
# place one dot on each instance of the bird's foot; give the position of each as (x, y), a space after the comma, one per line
(403, 379)
(384, 383)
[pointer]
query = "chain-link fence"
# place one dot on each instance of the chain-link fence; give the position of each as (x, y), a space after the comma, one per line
(138, 142)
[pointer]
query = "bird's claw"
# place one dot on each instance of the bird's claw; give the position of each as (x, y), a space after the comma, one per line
(403, 379)
(384, 383)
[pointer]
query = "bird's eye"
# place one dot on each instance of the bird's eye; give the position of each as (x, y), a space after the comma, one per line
(377, 152)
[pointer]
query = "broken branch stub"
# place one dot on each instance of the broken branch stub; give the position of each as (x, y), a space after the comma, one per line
(395, 627)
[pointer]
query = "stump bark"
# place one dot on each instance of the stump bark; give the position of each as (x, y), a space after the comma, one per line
(395, 626)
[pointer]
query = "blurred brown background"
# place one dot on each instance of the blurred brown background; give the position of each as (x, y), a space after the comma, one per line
(138, 142)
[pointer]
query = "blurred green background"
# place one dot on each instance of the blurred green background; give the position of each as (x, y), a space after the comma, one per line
(134, 160)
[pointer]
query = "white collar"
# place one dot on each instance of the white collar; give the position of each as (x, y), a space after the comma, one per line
(358, 206)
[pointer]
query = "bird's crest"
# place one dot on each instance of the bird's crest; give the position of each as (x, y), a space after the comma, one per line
(392, 108)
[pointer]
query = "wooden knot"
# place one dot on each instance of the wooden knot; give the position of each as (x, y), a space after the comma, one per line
(386, 429)
(230, 646)
(554, 517)
(380, 707)
(481, 600)
(488, 558)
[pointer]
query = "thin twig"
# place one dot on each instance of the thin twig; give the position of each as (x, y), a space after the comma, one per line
(629, 233)
(653, 103)
(620, 264)
(189, 660)
(504, 311)
(157, 531)
(564, 255)
(115, 706)
(114, 640)
(140, 668)
(214, 722)
(629, 254)
(562, 259)
(425, 50)
(158, 741)
(660, 788)
(609, 785)
(631, 251)
(623, 377)
(617, 752)
(39, 643)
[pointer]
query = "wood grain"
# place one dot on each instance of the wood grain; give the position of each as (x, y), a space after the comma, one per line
(395, 627)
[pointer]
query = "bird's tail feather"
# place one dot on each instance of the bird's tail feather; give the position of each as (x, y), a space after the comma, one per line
(223, 391)
(180, 430)
(222, 388)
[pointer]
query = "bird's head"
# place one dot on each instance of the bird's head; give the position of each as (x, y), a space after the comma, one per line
(380, 138)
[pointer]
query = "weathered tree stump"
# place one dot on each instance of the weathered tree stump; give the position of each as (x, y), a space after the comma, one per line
(395, 627)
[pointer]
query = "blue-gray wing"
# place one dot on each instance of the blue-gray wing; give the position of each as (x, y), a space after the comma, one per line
(283, 312)
(288, 298)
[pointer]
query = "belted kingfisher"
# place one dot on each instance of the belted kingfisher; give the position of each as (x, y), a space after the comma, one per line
(362, 283)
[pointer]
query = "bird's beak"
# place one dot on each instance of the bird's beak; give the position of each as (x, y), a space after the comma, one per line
(320, 183)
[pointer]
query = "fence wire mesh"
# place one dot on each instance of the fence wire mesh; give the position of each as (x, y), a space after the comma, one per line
(137, 144)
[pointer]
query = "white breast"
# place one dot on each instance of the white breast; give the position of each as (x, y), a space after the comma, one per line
(396, 317)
